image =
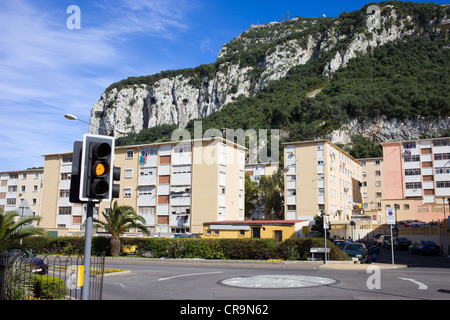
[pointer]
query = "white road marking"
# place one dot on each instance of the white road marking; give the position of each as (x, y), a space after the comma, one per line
(188, 275)
(420, 284)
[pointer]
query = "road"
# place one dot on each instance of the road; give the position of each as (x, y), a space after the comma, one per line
(428, 278)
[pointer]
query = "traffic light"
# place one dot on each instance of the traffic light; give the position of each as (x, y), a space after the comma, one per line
(97, 172)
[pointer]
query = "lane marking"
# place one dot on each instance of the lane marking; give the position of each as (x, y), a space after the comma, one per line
(420, 284)
(188, 275)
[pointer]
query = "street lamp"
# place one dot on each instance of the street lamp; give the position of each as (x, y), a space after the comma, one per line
(72, 117)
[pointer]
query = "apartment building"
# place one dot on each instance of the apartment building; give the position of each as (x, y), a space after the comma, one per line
(321, 177)
(417, 178)
(175, 186)
(256, 171)
(372, 187)
(21, 191)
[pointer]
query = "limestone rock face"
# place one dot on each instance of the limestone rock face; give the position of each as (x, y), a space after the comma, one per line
(181, 97)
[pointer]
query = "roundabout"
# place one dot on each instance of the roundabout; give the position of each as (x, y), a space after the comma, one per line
(277, 281)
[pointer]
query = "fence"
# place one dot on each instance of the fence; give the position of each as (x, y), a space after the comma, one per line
(24, 276)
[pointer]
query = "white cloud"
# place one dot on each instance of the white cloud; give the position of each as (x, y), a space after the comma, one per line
(47, 70)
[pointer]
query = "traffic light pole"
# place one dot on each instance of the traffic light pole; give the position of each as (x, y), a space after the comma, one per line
(87, 251)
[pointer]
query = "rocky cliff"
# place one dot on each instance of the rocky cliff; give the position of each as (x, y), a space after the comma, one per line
(261, 55)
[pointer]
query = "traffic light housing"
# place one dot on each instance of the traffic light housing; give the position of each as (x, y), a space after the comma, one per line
(96, 170)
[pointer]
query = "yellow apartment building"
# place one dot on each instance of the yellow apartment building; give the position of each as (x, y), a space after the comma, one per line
(21, 191)
(321, 177)
(175, 186)
(372, 187)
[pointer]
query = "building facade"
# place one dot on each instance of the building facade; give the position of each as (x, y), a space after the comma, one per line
(21, 191)
(417, 178)
(320, 177)
(372, 187)
(175, 186)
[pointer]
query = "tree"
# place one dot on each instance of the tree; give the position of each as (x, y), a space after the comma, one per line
(251, 194)
(272, 192)
(12, 231)
(118, 220)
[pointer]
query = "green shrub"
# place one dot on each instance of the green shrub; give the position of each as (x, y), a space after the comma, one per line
(49, 288)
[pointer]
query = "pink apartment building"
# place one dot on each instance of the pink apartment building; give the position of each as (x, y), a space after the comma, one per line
(417, 179)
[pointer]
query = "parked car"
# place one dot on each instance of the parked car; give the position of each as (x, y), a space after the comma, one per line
(417, 223)
(37, 265)
(401, 243)
(425, 247)
(340, 243)
(377, 237)
(385, 241)
(357, 250)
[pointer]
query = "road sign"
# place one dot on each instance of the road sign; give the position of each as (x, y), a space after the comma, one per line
(390, 215)
(326, 222)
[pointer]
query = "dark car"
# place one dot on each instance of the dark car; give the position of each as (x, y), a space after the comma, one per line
(27, 258)
(401, 243)
(340, 243)
(425, 247)
(357, 250)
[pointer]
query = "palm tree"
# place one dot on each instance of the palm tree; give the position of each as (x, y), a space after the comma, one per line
(118, 220)
(12, 231)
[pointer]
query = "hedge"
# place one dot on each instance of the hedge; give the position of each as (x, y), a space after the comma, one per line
(230, 249)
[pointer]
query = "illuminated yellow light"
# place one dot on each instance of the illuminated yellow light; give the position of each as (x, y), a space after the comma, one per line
(100, 169)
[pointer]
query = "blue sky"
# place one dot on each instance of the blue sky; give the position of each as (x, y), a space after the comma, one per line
(48, 70)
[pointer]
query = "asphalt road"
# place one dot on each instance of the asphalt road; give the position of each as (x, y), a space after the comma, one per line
(426, 278)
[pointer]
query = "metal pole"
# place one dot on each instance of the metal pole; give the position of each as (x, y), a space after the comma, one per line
(87, 251)
(325, 245)
(392, 247)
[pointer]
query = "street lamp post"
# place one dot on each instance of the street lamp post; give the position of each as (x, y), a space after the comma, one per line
(72, 117)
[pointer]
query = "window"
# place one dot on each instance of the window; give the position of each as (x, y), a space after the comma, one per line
(377, 162)
(442, 170)
(35, 188)
(12, 188)
(24, 175)
(146, 191)
(440, 143)
(406, 206)
(147, 210)
(182, 169)
(291, 207)
(378, 173)
(64, 193)
(442, 184)
(411, 158)
(377, 183)
(65, 211)
(413, 185)
(182, 148)
(129, 154)
(13, 175)
(11, 201)
(412, 172)
(147, 171)
(67, 159)
(128, 173)
(442, 156)
(23, 188)
(321, 191)
(127, 192)
(149, 151)
(409, 145)
(65, 176)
